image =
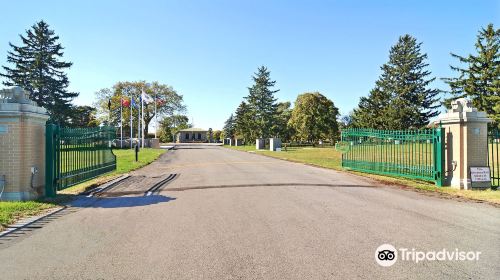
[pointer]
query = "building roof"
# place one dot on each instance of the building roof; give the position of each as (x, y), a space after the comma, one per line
(193, 130)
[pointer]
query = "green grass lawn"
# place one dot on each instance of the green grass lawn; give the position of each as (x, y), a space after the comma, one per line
(330, 158)
(11, 211)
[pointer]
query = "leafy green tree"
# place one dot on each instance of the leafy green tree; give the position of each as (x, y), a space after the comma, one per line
(36, 67)
(170, 125)
(83, 116)
(229, 127)
(402, 97)
(210, 135)
(314, 117)
(217, 135)
(262, 103)
(168, 103)
(283, 114)
(479, 80)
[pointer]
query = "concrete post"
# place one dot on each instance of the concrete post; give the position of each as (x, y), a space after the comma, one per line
(274, 143)
(259, 144)
(155, 143)
(238, 142)
(22, 145)
(466, 132)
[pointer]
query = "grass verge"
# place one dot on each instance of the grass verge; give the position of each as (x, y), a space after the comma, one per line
(10, 211)
(330, 158)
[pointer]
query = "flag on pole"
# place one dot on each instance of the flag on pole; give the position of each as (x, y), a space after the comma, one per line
(125, 103)
(146, 97)
(133, 103)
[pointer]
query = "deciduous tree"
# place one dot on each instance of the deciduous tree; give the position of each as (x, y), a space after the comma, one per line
(314, 117)
(168, 103)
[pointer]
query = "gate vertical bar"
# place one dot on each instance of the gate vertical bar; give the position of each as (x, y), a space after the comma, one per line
(50, 159)
(439, 156)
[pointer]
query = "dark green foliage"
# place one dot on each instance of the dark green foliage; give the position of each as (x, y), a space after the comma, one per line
(83, 116)
(244, 126)
(170, 125)
(282, 129)
(229, 127)
(262, 103)
(314, 117)
(37, 69)
(402, 97)
(479, 80)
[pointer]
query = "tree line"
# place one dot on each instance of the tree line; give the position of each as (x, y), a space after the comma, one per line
(37, 66)
(403, 96)
(259, 115)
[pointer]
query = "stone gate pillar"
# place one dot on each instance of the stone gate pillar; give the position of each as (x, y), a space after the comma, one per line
(259, 144)
(274, 143)
(22, 146)
(466, 132)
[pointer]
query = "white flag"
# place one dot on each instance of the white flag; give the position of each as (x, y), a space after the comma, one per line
(146, 97)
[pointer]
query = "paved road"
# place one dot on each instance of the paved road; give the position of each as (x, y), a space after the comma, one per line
(232, 215)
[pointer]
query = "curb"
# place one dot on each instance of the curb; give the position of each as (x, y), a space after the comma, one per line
(28, 221)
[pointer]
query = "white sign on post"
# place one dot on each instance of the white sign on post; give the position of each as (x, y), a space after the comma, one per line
(480, 174)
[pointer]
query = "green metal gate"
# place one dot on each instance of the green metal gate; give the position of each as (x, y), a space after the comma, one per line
(494, 156)
(74, 155)
(417, 154)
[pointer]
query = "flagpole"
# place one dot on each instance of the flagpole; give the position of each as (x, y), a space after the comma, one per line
(121, 122)
(156, 117)
(142, 118)
(131, 124)
(139, 121)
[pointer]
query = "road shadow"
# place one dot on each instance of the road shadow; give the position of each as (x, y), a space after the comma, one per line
(119, 202)
(267, 185)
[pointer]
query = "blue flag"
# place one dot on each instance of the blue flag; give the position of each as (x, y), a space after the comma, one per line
(133, 103)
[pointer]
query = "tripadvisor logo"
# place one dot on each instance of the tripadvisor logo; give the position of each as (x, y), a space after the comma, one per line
(387, 255)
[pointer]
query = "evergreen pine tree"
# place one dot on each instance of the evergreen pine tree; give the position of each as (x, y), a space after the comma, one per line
(480, 80)
(37, 69)
(243, 122)
(229, 127)
(262, 103)
(402, 97)
(372, 110)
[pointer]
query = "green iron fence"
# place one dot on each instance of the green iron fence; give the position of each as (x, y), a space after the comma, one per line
(74, 155)
(417, 154)
(494, 156)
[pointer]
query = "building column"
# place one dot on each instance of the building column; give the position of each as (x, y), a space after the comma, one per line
(466, 140)
(22, 146)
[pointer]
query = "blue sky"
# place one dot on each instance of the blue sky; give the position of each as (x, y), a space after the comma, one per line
(208, 50)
